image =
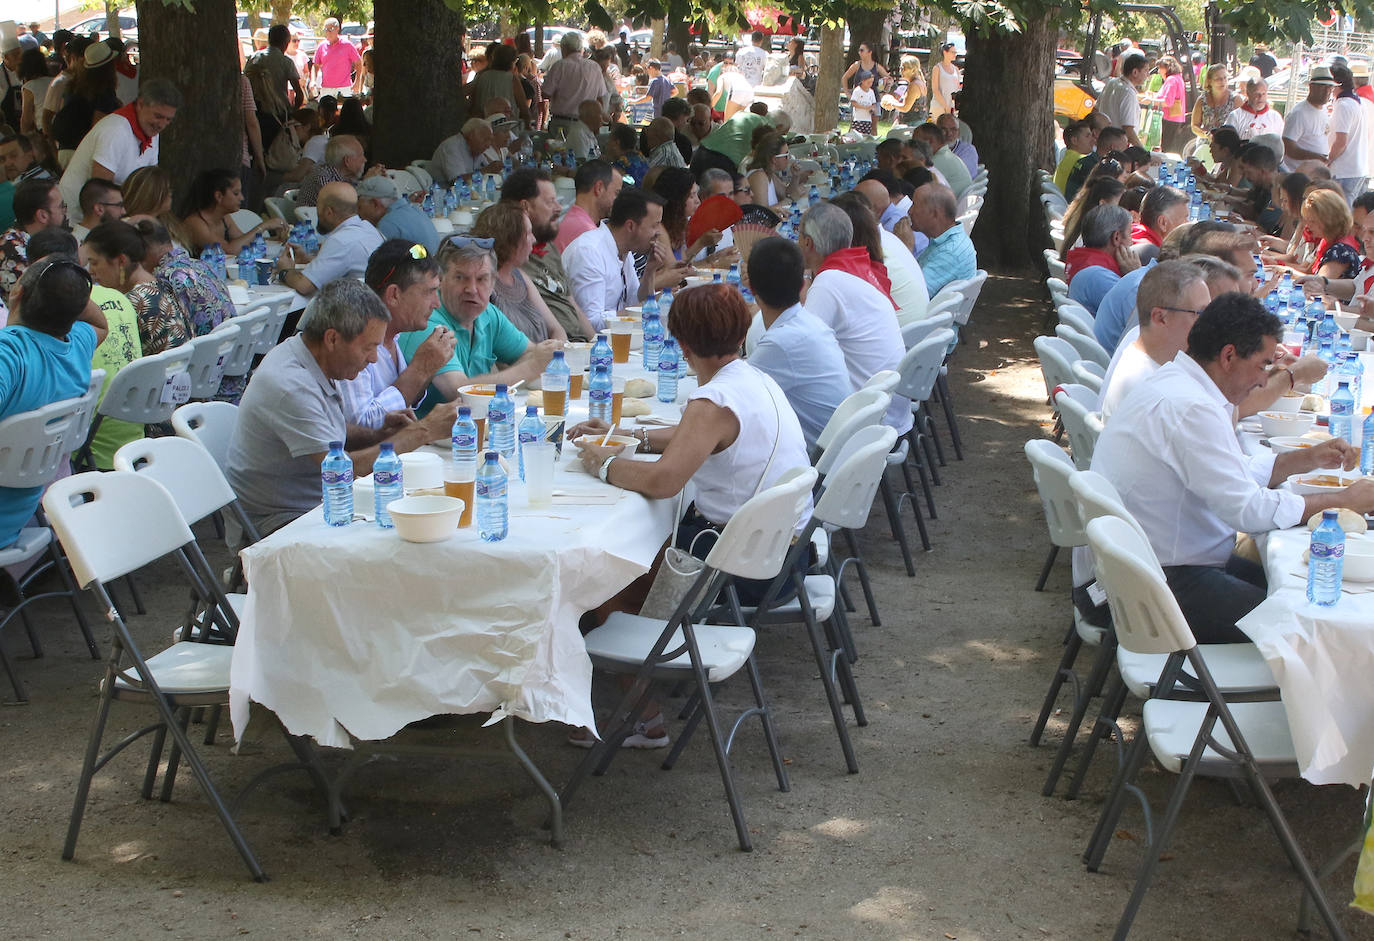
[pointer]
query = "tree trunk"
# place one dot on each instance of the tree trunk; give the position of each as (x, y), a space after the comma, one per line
(866, 26)
(418, 100)
(281, 12)
(656, 45)
(112, 18)
(208, 129)
(539, 38)
(1013, 129)
(678, 31)
(831, 66)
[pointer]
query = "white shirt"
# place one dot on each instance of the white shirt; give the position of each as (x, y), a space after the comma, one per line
(865, 326)
(1130, 364)
(111, 143)
(372, 393)
(582, 142)
(750, 60)
(344, 252)
(895, 213)
(1250, 125)
(1348, 118)
(1306, 127)
(802, 356)
(603, 281)
(729, 478)
(454, 158)
(1120, 102)
(908, 283)
(1367, 132)
(314, 148)
(1171, 451)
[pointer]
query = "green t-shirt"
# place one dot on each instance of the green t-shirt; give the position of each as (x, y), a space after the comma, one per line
(734, 137)
(119, 348)
(713, 76)
(493, 339)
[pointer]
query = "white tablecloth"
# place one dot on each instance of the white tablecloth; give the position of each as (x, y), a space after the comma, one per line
(352, 630)
(1323, 659)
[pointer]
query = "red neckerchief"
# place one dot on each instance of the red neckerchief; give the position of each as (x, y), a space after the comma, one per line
(1248, 110)
(125, 68)
(1308, 237)
(1140, 232)
(1364, 91)
(856, 261)
(1080, 258)
(540, 249)
(144, 141)
(1324, 245)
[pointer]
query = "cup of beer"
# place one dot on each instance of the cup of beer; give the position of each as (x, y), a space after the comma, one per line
(617, 399)
(575, 384)
(461, 484)
(620, 344)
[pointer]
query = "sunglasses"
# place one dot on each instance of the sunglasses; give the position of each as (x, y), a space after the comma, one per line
(463, 241)
(417, 252)
(63, 263)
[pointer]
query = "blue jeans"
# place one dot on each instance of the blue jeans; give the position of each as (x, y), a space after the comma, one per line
(1214, 597)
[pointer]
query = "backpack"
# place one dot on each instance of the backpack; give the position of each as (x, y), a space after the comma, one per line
(285, 151)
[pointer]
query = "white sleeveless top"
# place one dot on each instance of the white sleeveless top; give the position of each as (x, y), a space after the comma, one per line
(727, 480)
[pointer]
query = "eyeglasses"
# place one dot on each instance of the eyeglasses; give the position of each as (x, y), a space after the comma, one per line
(64, 263)
(119, 204)
(417, 252)
(463, 241)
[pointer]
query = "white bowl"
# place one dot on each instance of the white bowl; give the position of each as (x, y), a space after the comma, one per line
(1359, 340)
(1346, 321)
(422, 470)
(1333, 481)
(427, 518)
(478, 398)
(1359, 559)
(1284, 445)
(1288, 403)
(1286, 424)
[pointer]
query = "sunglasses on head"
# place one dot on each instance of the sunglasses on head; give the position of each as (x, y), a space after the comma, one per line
(417, 252)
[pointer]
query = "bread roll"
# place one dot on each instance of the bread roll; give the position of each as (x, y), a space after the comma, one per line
(1312, 403)
(1352, 522)
(632, 408)
(639, 389)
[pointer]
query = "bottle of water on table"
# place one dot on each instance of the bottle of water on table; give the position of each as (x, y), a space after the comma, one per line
(1342, 410)
(336, 481)
(667, 371)
(601, 353)
(653, 340)
(599, 394)
(501, 422)
(491, 495)
(1325, 559)
(1367, 444)
(531, 431)
(464, 441)
(386, 482)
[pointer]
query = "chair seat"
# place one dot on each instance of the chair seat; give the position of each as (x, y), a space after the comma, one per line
(32, 540)
(1092, 635)
(820, 589)
(186, 668)
(1238, 669)
(627, 639)
(1171, 727)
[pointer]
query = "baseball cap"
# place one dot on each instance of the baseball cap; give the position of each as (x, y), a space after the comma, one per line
(378, 187)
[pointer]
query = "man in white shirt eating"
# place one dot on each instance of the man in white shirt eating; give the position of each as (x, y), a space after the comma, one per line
(1171, 451)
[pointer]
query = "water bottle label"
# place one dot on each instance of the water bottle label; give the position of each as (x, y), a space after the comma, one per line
(464, 441)
(528, 437)
(496, 415)
(1327, 552)
(386, 478)
(331, 477)
(493, 489)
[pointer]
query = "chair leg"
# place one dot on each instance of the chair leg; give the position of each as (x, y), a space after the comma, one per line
(824, 665)
(947, 402)
(689, 727)
(723, 758)
(1116, 803)
(1090, 690)
(133, 592)
(1061, 675)
(770, 735)
(19, 694)
(154, 760)
(1104, 726)
(923, 416)
(83, 783)
(894, 520)
(69, 585)
(34, 645)
(169, 779)
(862, 569)
(1047, 567)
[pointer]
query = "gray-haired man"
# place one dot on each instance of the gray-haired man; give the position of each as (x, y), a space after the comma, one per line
(293, 409)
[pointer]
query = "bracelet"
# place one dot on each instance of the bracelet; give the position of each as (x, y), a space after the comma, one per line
(1292, 382)
(643, 434)
(605, 469)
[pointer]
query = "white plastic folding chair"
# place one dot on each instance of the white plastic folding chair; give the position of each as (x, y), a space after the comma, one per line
(308, 214)
(1057, 357)
(1088, 374)
(1085, 343)
(843, 416)
(245, 219)
(249, 330)
(967, 220)
(1075, 315)
(917, 330)
(404, 180)
(1059, 290)
(271, 331)
(1055, 264)
(1249, 741)
(753, 545)
(144, 392)
(884, 379)
(89, 401)
(209, 423)
(279, 207)
(1082, 424)
(209, 353)
(860, 411)
(421, 174)
(33, 448)
(919, 369)
(111, 524)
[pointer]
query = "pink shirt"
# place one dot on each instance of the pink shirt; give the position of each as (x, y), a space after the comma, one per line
(335, 62)
(575, 222)
(1174, 98)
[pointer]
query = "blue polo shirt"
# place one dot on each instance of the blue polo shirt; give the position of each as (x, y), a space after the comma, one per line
(949, 257)
(405, 220)
(493, 339)
(1091, 285)
(36, 370)
(1116, 311)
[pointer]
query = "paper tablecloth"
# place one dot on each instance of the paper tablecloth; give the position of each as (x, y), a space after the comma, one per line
(1322, 659)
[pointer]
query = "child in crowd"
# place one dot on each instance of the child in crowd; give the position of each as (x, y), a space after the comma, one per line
(861, 103)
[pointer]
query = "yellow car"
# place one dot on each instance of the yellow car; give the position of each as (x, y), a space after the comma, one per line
(1071, 102)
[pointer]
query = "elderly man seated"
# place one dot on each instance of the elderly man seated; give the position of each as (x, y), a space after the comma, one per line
(660, 144)
(349, 240)
(950, 255)
(1104, 256)
(955, 172)
(343, 161)
(459, 155)
(581, 136)
(1171, 451)
(488, 347)
(381, 203)
(294, 408)
(949, 126)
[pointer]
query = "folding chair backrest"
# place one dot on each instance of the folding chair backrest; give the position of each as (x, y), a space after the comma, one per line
(1055, 264)
(1145, 614)
(755, 541)
(1083, 426)
(1087, 374)
(1057, 357)
(1085, 343)
(406, 183)
(849, 488)
(280, 207)
(918, 330)
(430, 167)
(250, 328)
(871, 412)
(885, 380)
(211, 424)
(209, 353)
(1075, 315)
(89, 401)
(856, 400)
(185, 467)
(113, 523)
(1057, 286)
(967, 220)
(422, 175)
(944, 304)
(968, 289)
(1053, 470)
(1096, 497)
(308, 214)
(33, 445)
(136, 393)
(271, 333)
(920, 367)
(245, 219)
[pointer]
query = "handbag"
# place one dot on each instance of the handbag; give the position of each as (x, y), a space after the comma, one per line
(680, 568)
(285, 151)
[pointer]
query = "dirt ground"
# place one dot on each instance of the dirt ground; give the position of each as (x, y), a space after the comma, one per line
(942, 835)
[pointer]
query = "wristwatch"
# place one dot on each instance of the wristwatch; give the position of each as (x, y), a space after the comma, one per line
(605, 468)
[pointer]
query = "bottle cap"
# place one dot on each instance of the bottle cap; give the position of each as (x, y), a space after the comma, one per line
(500, 388)
(491, 457)
(464, 412)
(532, 411)
(557, 354)
(336, 445)
(388, 447)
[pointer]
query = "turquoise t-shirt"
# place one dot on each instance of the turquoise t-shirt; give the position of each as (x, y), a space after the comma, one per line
(6, 204)
(36, 370)
(493, 339)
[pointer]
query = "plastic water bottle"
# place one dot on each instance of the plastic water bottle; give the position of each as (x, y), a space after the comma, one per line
(814, 196)
(450, 200)
(464, 441)
(556, 374)
(653, 340)
(531, 431)
(246, 262)
(490, 191)
(386, 482)
(1325, 559)
(427, 205)
(1342, 411)
(601, 354)
(732, 276)
(501, 422)
(1271, 303)
(1327, 328)
(665, 304)
(464, 191)
(651, 307)
(490, 492)
(336, 483)
(1295, 295)
(312, 240)
(599, 394)
(1349, 371)
(1195, 207)
(1367, 450)
(667, 371)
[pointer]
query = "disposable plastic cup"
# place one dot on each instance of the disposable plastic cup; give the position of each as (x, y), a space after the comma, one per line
(461, 484)
(620, 345)
(539, 462)
(617, 399)
(575, 385)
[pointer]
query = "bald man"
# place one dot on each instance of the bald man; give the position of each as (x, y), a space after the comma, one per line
(582, 136)
(660, 141)
(908, 283)
(349, 240)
